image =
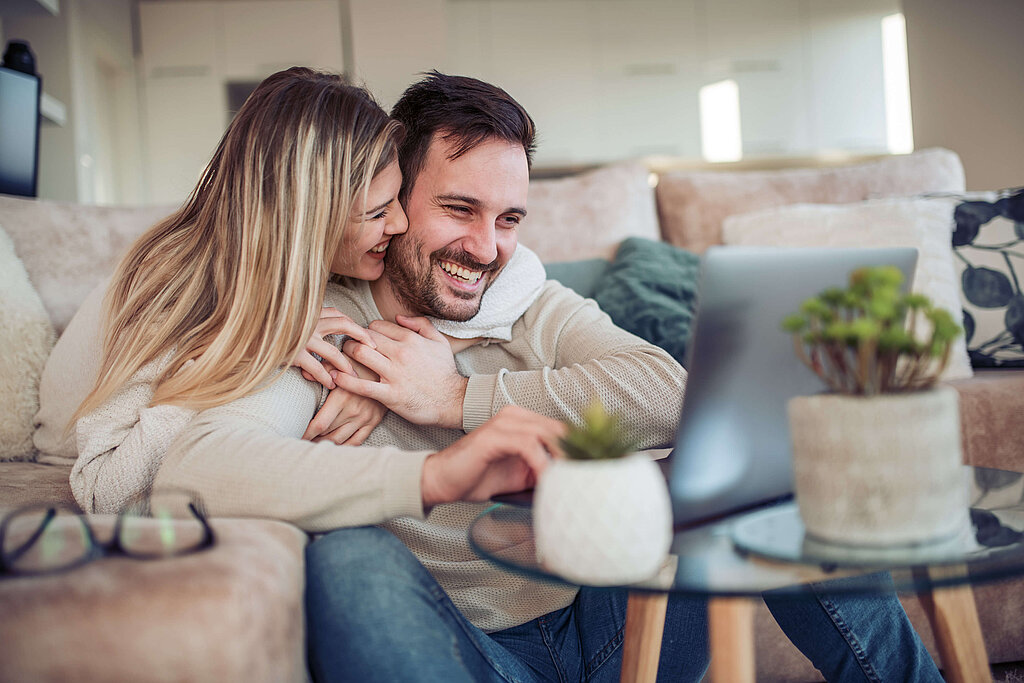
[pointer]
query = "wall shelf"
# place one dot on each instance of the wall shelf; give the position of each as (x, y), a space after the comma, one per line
(52, 110)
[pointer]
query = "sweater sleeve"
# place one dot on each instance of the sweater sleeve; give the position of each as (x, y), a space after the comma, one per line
(121, 444)
(246, 459)
(581, 354)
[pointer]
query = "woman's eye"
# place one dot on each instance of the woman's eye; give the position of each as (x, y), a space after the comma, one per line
(380, 215)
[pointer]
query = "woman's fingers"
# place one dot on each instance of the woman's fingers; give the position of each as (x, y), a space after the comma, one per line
(342, 324)
(313, 370)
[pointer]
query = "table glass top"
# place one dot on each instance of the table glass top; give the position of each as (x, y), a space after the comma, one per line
(767, 549)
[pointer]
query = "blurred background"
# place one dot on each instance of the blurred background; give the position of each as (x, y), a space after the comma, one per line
(137, 92)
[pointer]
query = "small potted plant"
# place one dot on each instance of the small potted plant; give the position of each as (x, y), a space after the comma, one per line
(877, 459)
(602, 514)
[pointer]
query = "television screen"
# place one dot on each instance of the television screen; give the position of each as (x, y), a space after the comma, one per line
(19, 132)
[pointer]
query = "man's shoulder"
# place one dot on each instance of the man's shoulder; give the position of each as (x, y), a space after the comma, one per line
(555, 298)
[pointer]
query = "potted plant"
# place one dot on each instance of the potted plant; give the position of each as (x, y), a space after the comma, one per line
(602, 514)
(876, 459)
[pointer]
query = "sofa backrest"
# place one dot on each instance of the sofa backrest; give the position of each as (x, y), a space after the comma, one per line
(69, 248)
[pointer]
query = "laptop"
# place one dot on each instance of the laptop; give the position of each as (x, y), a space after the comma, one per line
(732, 451)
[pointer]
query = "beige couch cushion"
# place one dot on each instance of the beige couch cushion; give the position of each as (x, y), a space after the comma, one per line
(230, 613)
(879, 223)
(67, 248)
(586, 216)
(26, 337)
(693, 204)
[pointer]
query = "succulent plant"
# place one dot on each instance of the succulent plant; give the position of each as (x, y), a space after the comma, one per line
(864, 340)
(600, 437)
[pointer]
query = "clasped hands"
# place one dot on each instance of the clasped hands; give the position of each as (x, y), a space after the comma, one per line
(409, 368)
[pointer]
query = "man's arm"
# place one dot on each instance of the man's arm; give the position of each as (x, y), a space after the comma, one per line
(581, 354)
(245, 459)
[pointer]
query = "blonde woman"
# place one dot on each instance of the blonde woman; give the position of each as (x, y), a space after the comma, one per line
(211, 305)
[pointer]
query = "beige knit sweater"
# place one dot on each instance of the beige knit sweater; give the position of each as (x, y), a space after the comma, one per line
(244, 458)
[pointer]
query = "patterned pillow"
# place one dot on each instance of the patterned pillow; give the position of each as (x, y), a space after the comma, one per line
(988, 242)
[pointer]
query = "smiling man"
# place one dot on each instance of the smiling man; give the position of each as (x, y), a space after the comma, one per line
(409, 600)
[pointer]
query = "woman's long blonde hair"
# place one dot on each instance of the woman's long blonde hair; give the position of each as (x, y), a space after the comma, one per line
(234, 280)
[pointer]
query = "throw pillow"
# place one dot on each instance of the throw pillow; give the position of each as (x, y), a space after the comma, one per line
(580, 276)
(988, 240)
(879, 223)
(693, 204)
(26, 337)
(650, 289)
(68, 248)
(586, 216)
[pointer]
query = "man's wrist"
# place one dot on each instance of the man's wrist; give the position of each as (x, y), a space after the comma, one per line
(453, 418)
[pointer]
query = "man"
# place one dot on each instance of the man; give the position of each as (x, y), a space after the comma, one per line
(427, 608)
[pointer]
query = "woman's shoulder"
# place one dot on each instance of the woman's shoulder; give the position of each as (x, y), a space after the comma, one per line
(352, 297)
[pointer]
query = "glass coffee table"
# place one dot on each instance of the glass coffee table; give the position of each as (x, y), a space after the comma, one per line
(733, 561)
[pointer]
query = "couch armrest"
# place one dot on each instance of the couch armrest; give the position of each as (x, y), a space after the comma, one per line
(992, 418)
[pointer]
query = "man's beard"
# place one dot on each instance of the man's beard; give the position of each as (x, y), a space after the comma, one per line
(417, 286)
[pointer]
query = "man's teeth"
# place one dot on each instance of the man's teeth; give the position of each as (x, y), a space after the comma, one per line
(380, 248)
(460, 272)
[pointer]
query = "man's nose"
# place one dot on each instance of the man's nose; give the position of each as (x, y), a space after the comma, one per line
(480, 243)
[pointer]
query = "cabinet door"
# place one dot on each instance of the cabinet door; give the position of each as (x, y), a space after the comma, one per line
(178, 38)
(267, 36)
(184, 121)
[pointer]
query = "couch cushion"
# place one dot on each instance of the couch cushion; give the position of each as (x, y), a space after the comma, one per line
(68, 248)
(23, 483)
(233, 612)
(26, 337)
(651, 290)
(586, 216)
(693, 204)
(878, 223)
(992, 418)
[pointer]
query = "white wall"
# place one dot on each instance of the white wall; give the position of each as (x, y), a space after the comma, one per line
(966, 87)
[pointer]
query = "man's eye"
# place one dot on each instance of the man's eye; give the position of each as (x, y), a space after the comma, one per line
(511, 221)
(457, 208)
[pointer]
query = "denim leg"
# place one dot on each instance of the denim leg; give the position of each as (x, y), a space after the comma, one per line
(583, 642)
(374, 613)
(853, 636)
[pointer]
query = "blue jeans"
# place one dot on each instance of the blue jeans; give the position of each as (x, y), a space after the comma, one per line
(375, 614)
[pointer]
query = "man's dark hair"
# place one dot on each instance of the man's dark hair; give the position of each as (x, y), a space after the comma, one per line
(464, 111)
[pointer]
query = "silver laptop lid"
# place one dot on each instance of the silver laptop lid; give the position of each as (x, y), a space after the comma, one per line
(732, 447)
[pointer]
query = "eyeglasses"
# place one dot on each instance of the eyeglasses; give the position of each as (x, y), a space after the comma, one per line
(49, 538)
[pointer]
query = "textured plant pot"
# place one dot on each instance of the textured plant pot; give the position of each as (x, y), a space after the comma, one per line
(879, 471)
(603, 522)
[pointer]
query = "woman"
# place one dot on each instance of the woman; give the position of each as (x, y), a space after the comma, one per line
(211, 304)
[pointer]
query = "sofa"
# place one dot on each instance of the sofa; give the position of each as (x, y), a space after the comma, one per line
(234, 612)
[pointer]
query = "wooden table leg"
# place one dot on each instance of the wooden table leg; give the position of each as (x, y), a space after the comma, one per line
(641, 648)
(954, 619)
(731, 640)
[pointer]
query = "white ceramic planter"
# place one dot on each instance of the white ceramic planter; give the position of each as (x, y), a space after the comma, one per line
(880, 471)
(603, 522)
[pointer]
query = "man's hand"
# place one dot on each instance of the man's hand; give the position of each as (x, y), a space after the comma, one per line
(332, 321)
(347, 419)
(505, 454)
(418, 378)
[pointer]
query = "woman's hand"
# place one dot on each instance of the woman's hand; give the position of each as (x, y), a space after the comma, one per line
(347, 419)
(332, 321)
(418, 377)
(505, 454)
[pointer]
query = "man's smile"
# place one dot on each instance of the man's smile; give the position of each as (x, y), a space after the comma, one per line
(460, 274)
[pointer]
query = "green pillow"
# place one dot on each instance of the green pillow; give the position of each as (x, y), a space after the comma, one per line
(580, 276)
(650, 289)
